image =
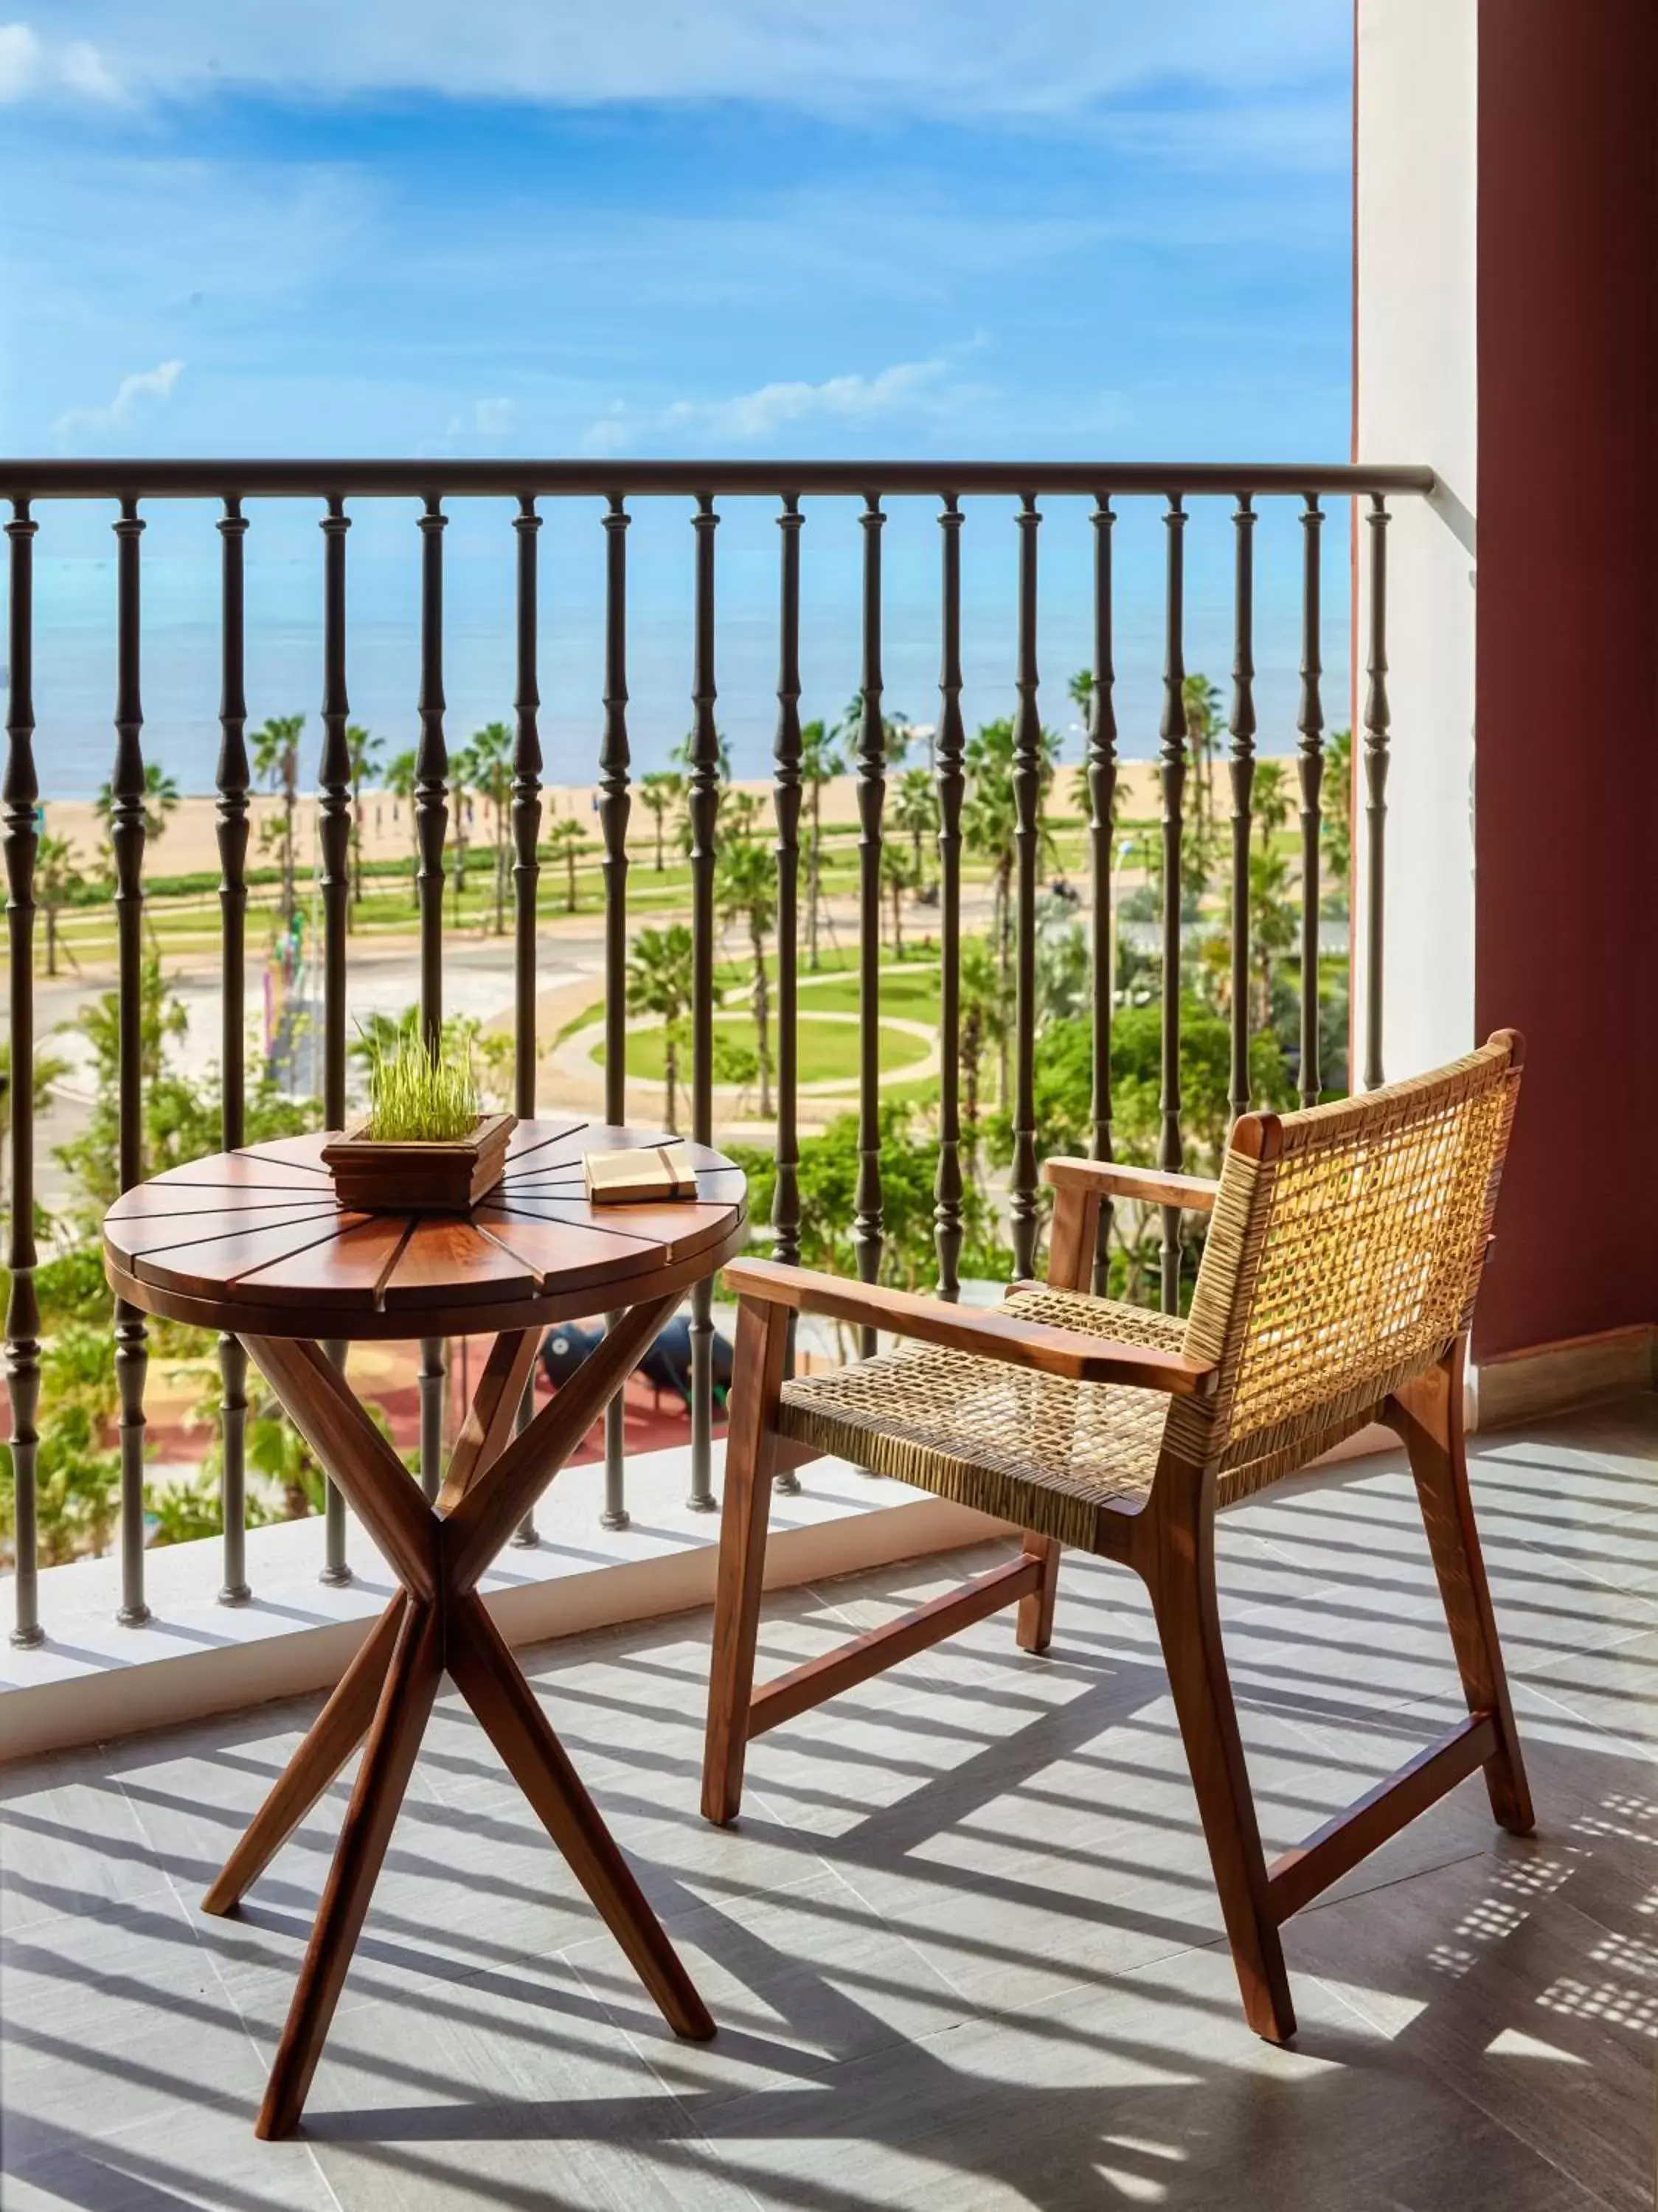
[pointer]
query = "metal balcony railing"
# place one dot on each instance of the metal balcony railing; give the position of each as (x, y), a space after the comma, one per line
(31, 485)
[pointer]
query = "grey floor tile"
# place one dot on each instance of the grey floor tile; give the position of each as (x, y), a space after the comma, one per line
(1151, 2091)
(113, 2015)
(799, 1983)
(67, 1835)
(510, 2093)
(1074, 1852)
(1543, 2018)
(175, 2157)
(962, 1945)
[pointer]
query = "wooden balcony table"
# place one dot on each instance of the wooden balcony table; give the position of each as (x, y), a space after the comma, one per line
(254, 1242)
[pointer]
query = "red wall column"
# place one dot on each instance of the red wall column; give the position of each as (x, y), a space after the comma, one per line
(1566, 661)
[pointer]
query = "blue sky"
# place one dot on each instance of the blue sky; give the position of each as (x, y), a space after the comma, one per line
(759, 229)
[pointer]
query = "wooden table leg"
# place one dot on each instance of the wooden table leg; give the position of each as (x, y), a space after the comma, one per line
(488, 1677)
(333, 1737)
(438, 1620)
(494, 1413)
(406, 1702)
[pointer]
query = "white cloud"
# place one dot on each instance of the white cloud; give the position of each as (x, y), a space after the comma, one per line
(133, 395)
(1303, 135)
(484, 418)
(756, 415)
(83, 70)
(28, 65)
(752, 417)
(928, 56)
(21, 60)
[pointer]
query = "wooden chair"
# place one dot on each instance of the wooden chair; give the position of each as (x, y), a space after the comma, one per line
(1344, 1248)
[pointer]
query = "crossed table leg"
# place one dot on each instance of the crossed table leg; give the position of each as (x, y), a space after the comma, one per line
(437, 1622)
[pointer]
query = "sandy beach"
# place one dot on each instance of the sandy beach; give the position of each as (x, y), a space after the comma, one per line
(189, 845)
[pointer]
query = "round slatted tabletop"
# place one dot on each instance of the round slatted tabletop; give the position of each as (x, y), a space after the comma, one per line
(253, 1242)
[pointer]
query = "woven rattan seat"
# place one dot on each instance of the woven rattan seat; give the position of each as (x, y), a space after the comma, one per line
(1344, 1249)
(1039, 1450)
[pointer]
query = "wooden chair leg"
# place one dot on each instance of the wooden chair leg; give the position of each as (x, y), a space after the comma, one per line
(333, 1737)
(1428, 1415)
(1181, 1580)
(400, 1717)
(757, 1379)
(488, 1677)
(1034, 1626)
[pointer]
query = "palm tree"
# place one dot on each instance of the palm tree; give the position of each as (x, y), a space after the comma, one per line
(491, 753)
(747, 888)
(49, 1068)
(1337, 800)
(566, 836)
(659, 980)
(991, 824)
(915, 808)
(276, 758)
(897, 876)
(1272, 925)
(365, 750)
(1270, 800)
(400, 783)
(58, 876)
(161, 797)
(1080, 692)
(661, 791)
(1201, 704)
(820, 762)
(894, 731)
(983, 1028)
(462, 778)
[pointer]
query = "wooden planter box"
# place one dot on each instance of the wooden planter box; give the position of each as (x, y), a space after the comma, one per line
(446, 1177)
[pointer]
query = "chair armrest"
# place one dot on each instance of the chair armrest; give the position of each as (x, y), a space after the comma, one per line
(1115, 1179)
(990, 1335)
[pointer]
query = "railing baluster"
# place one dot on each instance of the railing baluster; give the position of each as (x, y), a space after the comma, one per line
(1310, 722)
(334, 841)
(947, 1188)
(432, 813)
(868, 1217)
(526, 815)
(1376, 726)
(1171, 1154)
(126, 837)
(614, 807)
(1027, 796)
(703, 805)
(786, 802)
(232, 831)
(526, 870)
(334, 814)
(21, 791)
(1102, 806)
(1242, 769)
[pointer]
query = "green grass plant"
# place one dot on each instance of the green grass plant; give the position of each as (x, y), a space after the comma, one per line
(420, 1095)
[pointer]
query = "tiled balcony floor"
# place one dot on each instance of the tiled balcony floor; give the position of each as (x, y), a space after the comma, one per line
(963, 1949)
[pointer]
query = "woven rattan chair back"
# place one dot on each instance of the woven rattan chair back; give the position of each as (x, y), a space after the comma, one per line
(1343, 1256)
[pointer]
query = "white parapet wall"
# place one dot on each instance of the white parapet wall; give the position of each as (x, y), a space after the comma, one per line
(93, 1680)
(1417, 401)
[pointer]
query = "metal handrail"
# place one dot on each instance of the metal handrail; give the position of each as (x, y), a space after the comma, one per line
(555, 479)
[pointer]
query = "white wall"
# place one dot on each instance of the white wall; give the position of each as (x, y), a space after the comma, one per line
(1417, 160)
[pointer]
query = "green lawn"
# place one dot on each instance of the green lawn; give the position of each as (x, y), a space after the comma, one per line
(912, 996)
(828, 1050)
